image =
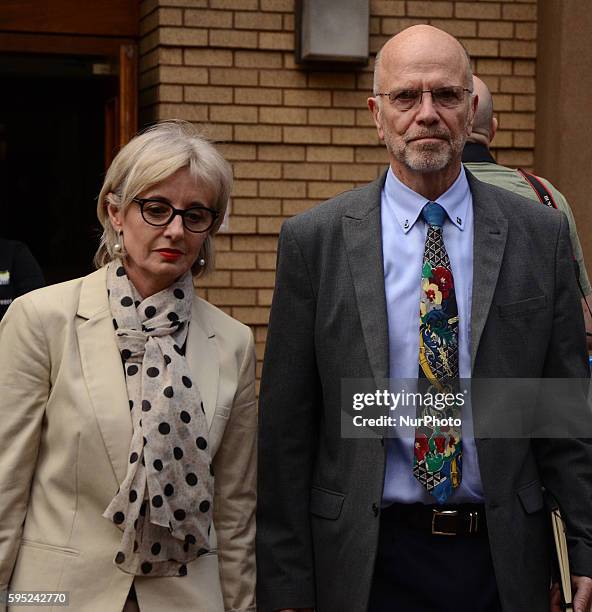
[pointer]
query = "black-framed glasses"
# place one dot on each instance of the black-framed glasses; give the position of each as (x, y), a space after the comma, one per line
(159, 213)
(443, 97)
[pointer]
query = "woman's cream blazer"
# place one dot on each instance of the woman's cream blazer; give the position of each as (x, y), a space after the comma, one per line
(65, 432)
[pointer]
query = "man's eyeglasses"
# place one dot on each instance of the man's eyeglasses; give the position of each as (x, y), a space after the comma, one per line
(158, 213)
(443, 97)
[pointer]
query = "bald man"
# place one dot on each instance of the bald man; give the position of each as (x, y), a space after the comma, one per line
(425, 275)
(478, 159)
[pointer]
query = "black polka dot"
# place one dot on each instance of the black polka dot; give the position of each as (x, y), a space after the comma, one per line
(126, 354)
(157, 501)
(118, 518)
(120, 271)
(157, 465)
(146, 567)
(133, 457)
(143, 509)
(179, 514)
(135, 546)
(190, 539)
(119, 558)
(144, 440)
(153, 372)
(204, 506)
(137, 303)
(150, 312)
(131, 404)
(178, 453)
(185, 416)
(183, 570)
(164, 428)
(202, 408)
(201, 443)
(155, 548)
(126, 301)
(191, 479)
(133, 369)
(178, 293)
(115, 324)
(146, 405)
(187, 382)
(173, 316)
(133, 496)
(168, 392)
(167, 359)
(179, 350)
(169, 489)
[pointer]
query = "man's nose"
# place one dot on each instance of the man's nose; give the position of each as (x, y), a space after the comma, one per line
(427, 111)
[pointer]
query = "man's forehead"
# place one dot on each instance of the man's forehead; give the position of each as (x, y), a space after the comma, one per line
(431, 73)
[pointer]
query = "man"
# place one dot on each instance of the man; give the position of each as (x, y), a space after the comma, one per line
(477, 158)
(366, 282)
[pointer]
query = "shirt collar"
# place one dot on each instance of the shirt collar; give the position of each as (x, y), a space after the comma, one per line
(406, 204)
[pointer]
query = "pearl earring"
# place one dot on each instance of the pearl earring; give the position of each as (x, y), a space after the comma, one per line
(118, 247)
(202, 262)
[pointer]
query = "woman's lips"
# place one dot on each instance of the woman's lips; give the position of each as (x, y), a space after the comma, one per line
(170, 253)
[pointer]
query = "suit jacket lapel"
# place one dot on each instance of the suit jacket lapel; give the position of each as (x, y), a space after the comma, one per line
(489, 241)
(362, 235)
(202, 358)
(103, 371)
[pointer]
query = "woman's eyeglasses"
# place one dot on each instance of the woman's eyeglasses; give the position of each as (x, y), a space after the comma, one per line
(158, 213)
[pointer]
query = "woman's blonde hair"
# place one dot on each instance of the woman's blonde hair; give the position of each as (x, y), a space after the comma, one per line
(151, 157)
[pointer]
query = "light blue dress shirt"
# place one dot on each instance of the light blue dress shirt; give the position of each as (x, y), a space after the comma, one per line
(403, 238)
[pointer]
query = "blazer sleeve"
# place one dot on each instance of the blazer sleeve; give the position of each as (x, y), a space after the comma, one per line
(235, 497)
(566, 463)
(24, 390)
(288, 425)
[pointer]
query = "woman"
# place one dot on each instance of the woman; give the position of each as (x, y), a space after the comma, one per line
(122, 397)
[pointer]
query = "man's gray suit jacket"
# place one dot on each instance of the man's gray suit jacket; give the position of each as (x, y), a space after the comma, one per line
(320, 494)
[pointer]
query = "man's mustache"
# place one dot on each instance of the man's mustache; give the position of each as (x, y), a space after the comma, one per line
(438, 134)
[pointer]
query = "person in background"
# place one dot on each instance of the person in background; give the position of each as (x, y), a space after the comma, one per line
(19, 272)
(478, 159)
(127, 405)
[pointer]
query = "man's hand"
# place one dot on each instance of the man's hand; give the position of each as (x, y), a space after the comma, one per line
(582, 594)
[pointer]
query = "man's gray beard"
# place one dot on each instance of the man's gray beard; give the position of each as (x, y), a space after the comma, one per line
(426, 159)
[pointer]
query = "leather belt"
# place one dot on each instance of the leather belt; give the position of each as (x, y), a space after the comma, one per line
(462, 519)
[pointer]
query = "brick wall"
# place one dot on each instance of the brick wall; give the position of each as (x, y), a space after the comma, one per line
(296, 137)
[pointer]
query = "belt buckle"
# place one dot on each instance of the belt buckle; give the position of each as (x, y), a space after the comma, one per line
(440, 513)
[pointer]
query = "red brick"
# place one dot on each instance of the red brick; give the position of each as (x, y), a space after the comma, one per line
(354, 172)
(481, 48)
(494, 66)
(372, 155)
(496, 29)
(269, 225)
(239, 5)
(354, 136)
(207, 57)
(524, 67)
(331, 80)
(235, 261)
(232, 151)
(169, 93)
(245, 188)
(526, 31)
(265, 296)
(183, 37)
(455, 27)
(306, 171)
(213, 95)
(189, 112)
(307, 97)
(254, 243)
(183, 74)
(525, 103)
(251, 315)
(350, 99)
(257, 21)
(282, 78)
(520, 12)
(216, 279)
(242, 225)
(524, 140)
(233, 76)
(234, 114)
(394, 8)
(257, 206)
(516, 121)
(253, 279)
(217, 133)
(519, 85)
(259, 133)
(391, 26)
(282, 115)
(364, 118)
(231, 297)
(288, 23)
(285, 6)
(331, 117)
(503, 102)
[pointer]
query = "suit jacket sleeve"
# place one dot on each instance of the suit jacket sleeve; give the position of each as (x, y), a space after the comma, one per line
(24, 390)
(288, 431)
(566, 463)
(235, 472)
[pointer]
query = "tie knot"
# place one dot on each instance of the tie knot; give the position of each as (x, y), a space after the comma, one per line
(433, 214)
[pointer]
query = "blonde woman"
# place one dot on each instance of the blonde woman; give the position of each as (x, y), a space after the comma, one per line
(127, 405)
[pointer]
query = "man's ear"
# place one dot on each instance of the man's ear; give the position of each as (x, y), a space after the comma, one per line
(374, 107)
(493, 128)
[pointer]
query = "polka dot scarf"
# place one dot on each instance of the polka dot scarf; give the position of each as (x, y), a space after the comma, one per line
(164, 505)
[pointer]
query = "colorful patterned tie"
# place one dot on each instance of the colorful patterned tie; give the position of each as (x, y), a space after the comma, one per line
(437, 462)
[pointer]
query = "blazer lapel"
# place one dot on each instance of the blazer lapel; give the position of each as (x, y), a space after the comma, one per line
(103, 371)
(489, 241)
(362, 229)
(202, 358)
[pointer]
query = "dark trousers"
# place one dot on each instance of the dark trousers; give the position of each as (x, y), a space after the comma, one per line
(417, 571)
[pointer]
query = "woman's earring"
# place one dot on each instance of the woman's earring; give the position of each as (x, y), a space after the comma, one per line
(202, 262)
(118, 246)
